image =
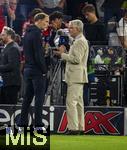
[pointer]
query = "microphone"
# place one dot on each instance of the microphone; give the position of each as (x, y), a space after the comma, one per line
(63, 32)
(60, 32)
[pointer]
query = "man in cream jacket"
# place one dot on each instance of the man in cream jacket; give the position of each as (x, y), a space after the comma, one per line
(75, 76)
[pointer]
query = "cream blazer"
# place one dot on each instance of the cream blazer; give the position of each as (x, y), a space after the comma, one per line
(76, 61)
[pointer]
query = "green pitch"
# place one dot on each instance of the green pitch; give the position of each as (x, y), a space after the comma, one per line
(87, 142)
(84, 142)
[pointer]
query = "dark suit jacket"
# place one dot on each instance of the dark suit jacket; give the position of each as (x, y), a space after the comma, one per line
(10, 65)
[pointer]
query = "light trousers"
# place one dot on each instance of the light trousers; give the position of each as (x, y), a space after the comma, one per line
(75, 106)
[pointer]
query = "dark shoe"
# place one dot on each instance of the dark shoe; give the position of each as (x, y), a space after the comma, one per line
(43, 129)
(81, 133)
(72, 132)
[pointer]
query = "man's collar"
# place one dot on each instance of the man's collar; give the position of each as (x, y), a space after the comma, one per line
(78, 36)
(9, 44)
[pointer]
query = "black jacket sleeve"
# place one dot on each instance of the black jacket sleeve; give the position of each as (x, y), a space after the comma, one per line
(39, 53)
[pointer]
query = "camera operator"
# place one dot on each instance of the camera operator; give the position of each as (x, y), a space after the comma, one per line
(75, 76)
(56, 19)
(49, 35)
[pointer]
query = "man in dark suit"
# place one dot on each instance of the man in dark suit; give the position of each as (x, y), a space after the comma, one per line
(35, 69)
(10, 67)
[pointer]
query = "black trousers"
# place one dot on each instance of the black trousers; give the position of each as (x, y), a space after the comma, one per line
(9, 94)
(34, 86)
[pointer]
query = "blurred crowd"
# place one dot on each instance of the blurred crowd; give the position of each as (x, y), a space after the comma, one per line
(104, 17)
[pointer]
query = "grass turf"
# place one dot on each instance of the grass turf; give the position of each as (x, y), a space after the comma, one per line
(87, 142)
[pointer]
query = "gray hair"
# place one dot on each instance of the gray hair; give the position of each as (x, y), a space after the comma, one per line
(9, 31)
(77, 23)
